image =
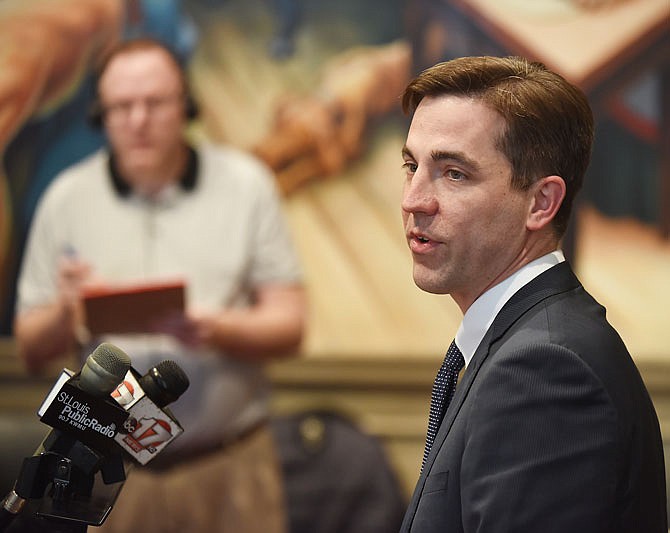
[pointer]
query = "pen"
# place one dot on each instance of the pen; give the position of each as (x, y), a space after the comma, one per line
(69, 251)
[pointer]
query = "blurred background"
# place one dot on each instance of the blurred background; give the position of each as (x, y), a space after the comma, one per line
(312, 86)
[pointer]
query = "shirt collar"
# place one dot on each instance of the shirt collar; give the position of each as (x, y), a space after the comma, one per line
(480, 315)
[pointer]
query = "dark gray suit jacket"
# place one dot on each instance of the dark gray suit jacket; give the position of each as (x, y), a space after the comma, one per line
(551, 428)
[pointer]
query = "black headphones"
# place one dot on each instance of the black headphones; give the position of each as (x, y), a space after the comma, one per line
(95, 113)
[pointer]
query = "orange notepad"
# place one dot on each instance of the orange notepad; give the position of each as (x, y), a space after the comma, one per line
(133, 308)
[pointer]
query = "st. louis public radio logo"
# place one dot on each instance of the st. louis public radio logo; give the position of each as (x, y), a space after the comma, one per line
(147, 433)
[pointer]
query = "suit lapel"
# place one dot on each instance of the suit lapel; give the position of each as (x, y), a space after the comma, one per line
(556, 280)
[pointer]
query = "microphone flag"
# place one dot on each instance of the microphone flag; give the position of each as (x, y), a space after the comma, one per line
(148, 429)
(93, 420)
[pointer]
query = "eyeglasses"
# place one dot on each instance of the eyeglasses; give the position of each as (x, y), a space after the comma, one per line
(119, 112)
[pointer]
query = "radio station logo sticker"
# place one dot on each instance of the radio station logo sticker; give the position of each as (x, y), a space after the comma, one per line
(80, 415)
(147, 433)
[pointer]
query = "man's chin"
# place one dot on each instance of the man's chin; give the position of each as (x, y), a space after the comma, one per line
(142, 161)
(429, 284)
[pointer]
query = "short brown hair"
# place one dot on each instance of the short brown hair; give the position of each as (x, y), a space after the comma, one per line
(549, 123)
(139, 44)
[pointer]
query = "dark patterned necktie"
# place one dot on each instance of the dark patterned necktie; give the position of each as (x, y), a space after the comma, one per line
(443, 391)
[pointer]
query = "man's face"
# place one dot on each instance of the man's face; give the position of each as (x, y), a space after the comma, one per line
(142, 96)
(465, 225)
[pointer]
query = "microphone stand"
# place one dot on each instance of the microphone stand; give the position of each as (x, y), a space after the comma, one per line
(68, 468)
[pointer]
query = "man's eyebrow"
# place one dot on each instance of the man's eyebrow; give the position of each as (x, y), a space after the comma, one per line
(458, 157)
(444, 155)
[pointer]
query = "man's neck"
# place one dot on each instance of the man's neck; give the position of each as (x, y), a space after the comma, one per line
(480, 315)
(151, 182)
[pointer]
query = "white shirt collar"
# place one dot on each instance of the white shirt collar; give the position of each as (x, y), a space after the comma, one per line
(166, 197)
(480, 315)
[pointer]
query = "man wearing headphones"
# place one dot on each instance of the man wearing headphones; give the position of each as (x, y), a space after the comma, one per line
(152, 207)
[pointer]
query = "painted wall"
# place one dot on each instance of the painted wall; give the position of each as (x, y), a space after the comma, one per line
(311, 87)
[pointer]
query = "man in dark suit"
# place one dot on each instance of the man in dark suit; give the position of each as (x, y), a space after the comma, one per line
(550, 428)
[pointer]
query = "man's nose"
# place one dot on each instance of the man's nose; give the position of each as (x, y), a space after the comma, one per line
(419, 195)
(139, 113)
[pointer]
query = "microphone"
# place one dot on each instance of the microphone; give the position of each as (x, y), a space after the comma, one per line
(84, 422)
(164, 383)
(79, 404)
(150, 425)
(103, 370)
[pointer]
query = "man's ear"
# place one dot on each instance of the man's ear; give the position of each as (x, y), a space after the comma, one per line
(546, 200)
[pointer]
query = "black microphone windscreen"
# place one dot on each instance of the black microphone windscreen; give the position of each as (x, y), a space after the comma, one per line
(104, 369)
(164, 383)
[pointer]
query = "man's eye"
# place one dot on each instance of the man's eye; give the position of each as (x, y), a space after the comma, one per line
(410, 167)
(455, 174)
